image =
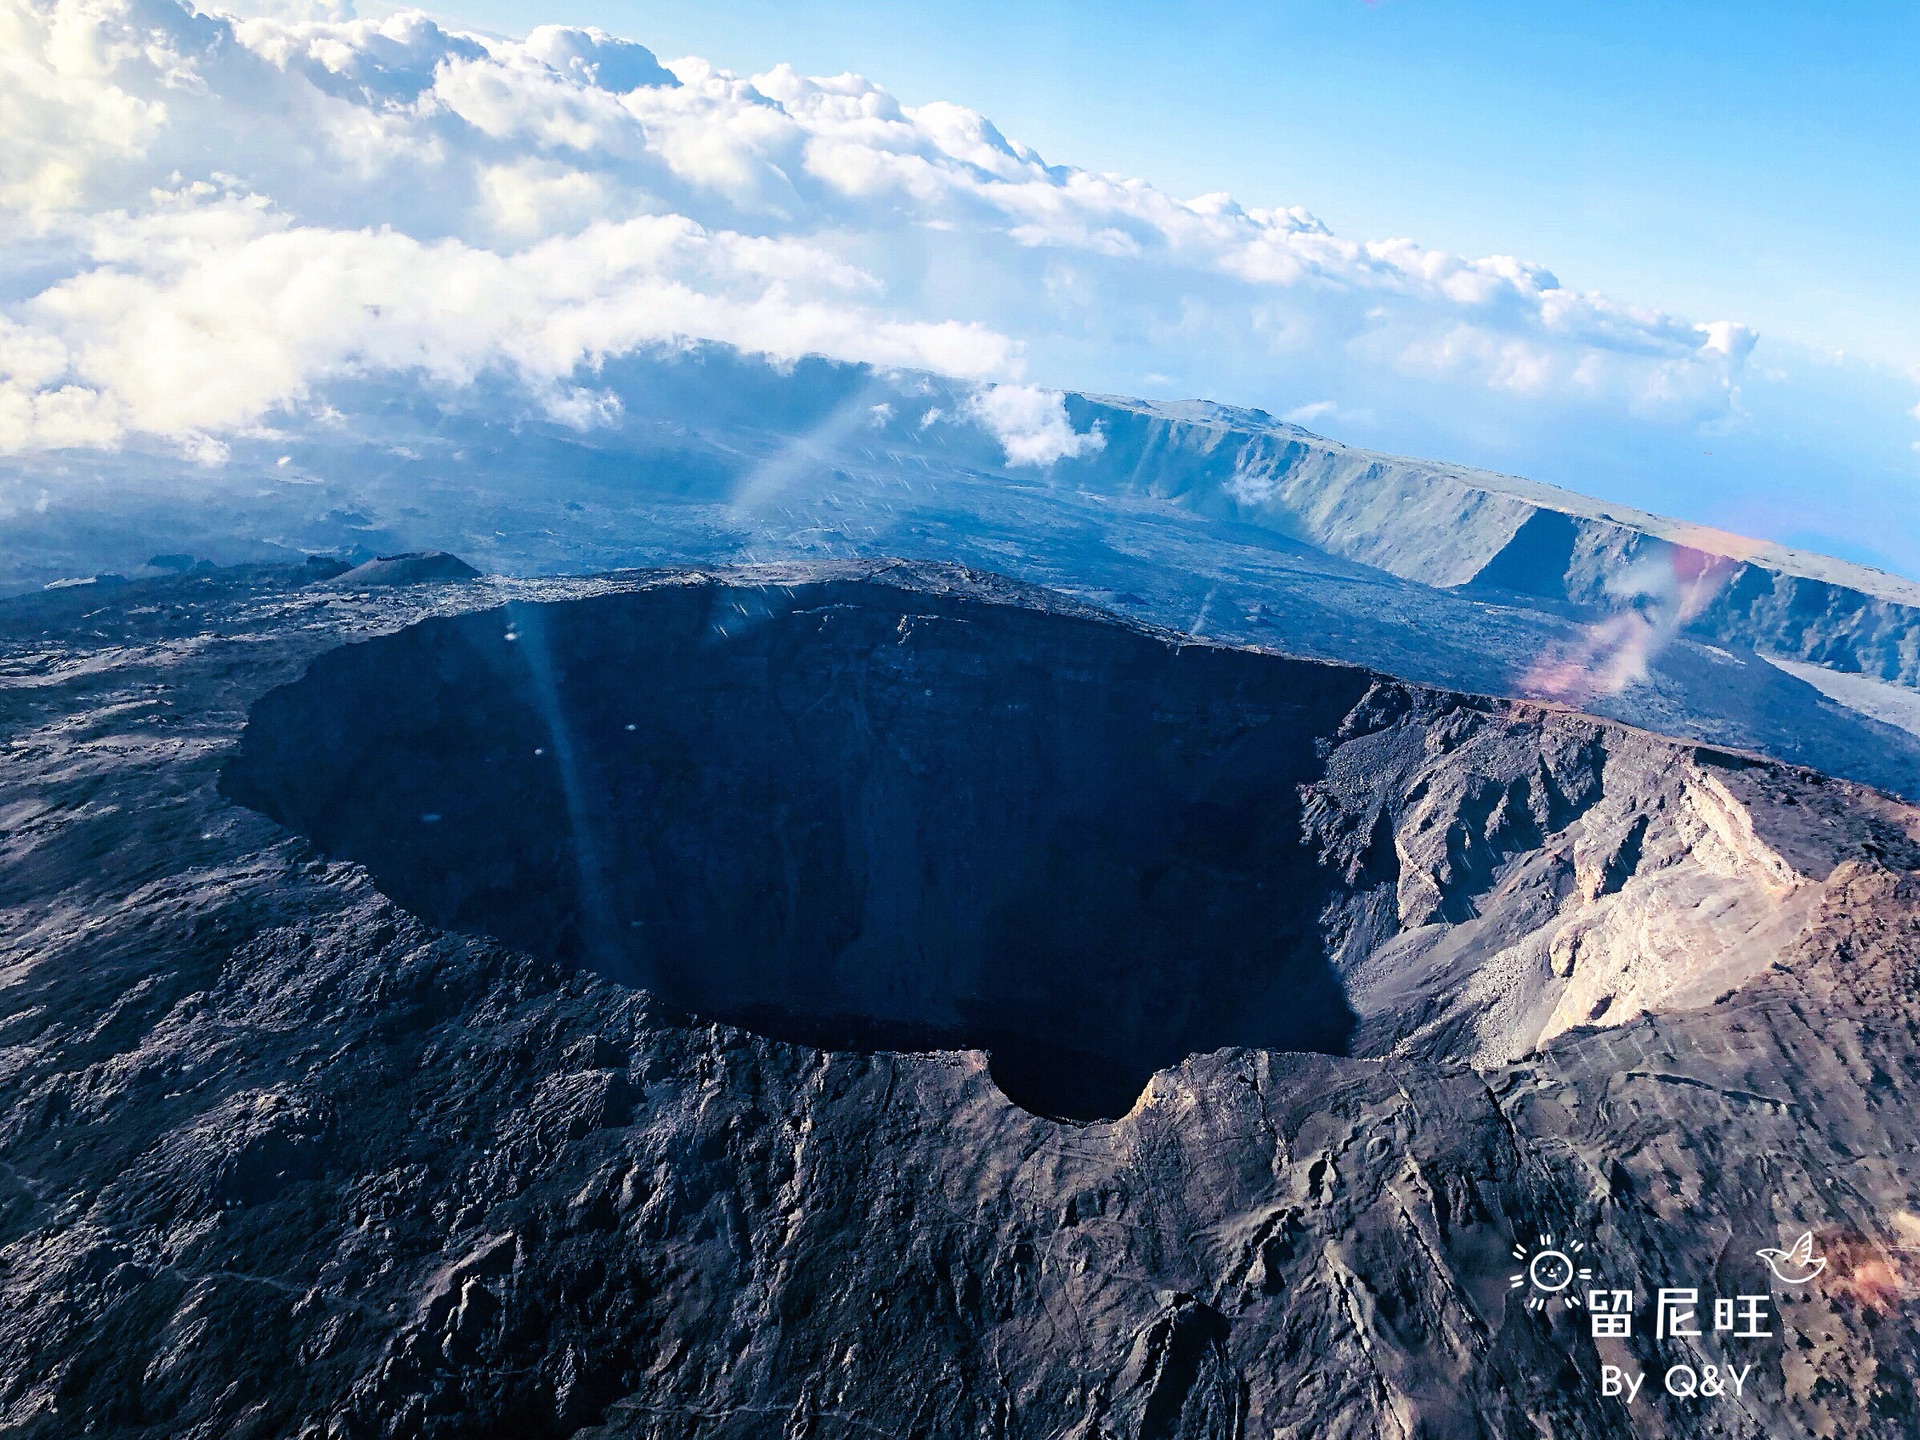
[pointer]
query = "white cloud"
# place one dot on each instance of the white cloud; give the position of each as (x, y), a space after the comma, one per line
(1031, 424)
(246, 209)
(251, 311)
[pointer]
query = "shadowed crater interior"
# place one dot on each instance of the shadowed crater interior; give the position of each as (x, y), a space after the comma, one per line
(847, 814)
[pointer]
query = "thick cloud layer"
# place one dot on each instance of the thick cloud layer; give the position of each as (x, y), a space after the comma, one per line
(210, 218)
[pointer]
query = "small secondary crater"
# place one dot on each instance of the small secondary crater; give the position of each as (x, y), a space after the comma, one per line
(847, 814)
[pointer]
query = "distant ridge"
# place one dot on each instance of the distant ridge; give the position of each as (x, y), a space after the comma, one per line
(1451, 526)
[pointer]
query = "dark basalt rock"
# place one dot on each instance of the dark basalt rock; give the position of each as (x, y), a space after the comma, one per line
(338, 1128)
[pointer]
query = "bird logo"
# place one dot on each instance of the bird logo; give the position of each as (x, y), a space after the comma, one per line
(1796, 1266)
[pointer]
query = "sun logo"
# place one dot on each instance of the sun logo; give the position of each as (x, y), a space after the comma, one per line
(1549, 1272)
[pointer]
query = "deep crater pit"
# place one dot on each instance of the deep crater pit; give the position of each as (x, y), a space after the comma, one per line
(846, 814)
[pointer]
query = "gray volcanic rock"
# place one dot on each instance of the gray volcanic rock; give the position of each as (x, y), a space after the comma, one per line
(350, 1122)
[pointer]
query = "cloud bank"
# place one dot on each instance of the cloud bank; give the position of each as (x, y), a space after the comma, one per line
(210, 218)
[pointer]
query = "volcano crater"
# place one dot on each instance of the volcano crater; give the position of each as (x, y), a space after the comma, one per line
(848, 816)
